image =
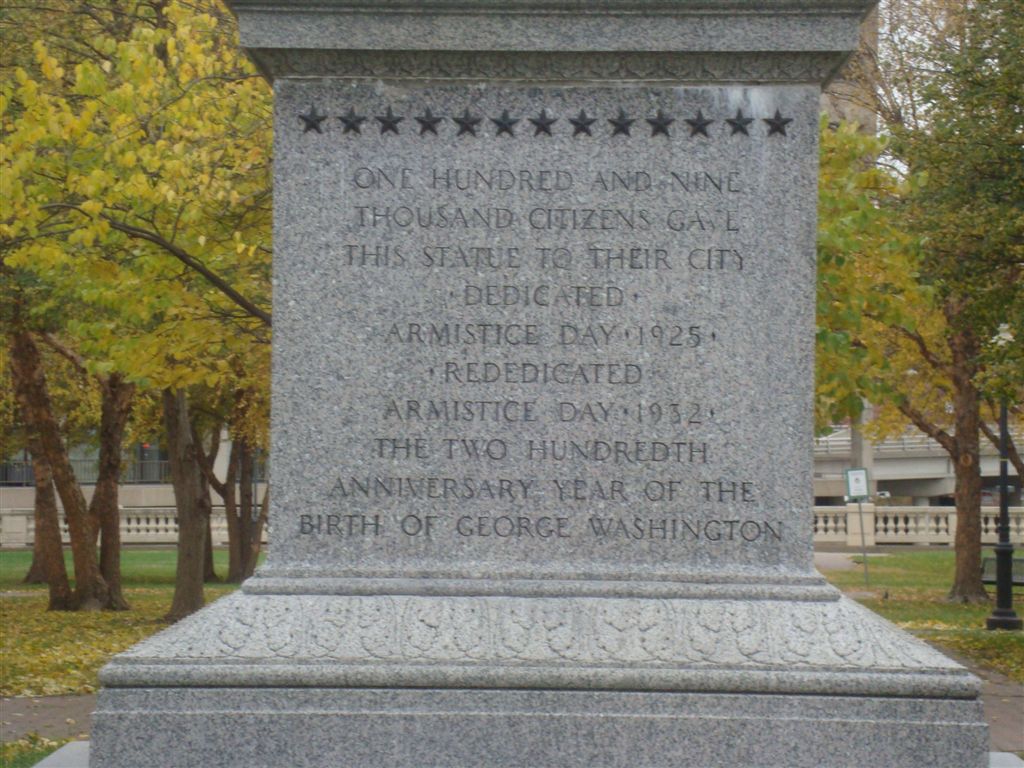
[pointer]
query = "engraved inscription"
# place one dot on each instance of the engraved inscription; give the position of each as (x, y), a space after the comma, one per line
(549, 327)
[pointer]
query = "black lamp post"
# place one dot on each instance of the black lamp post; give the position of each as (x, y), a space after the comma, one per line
(1003, 615)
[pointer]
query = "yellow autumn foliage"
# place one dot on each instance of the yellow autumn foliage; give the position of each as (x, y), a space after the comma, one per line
(126, 144)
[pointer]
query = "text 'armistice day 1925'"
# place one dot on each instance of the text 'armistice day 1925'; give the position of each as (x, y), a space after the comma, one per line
(539, 284)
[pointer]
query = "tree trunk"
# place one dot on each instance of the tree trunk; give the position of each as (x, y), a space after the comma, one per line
(245, 520)
(48, 552)
(35, 574)
(44, 501)
(247, 512)
(209, 572)
(91, 592)
(115, 408)
(191, 496)
(206, 460)
(229, 493)
(256, 540)
(967, 585)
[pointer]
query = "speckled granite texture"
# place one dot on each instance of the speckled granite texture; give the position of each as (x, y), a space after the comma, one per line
(608, 406)
(243, 728)
(692, 645)
(542, 392)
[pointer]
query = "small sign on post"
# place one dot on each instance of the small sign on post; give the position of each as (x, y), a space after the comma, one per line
(857, 484)
(858, 489)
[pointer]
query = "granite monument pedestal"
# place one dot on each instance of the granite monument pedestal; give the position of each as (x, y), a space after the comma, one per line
(543, 379)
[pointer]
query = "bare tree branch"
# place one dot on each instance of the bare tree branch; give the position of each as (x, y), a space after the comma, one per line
(936, 433)
(65, 352)
(922, 346)
(184, 257)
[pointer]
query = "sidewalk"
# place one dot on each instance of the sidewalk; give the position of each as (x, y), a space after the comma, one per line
(1003, 701)
(1002, 698)
(55, 717)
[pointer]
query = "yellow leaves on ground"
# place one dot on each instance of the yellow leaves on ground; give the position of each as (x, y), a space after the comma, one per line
(1002, 651)
(51, 653)
(28, 750)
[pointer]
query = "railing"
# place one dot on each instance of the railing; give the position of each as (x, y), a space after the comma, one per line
(18, 472)
(906, 525)
(840, 444)
(832, 525)
(139, 525)
(149, 472)
(915, 525)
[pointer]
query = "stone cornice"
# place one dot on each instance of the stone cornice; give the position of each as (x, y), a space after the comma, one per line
(553, 40)
(573, 7)
(497, 66)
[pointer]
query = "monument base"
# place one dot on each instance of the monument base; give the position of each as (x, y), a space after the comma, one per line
(470, 728)
(487, 682)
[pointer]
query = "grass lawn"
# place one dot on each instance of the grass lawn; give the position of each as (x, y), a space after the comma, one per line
(25, 753)
(909, 588)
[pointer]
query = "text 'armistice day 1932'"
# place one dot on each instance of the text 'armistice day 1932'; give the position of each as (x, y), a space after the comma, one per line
(554, 376)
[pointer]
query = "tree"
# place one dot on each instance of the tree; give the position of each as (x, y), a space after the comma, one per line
(867, 279)
(245, 516)
(192, 497)
(47, 550)
(969, 210)
(91, 590)
(136, 162)
(116, 397)
(948, 84)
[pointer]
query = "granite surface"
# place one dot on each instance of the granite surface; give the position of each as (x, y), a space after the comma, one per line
(790, 40)
(794, 647)
(544, 288)
(245, 728)
(545, 324)
(76, 755)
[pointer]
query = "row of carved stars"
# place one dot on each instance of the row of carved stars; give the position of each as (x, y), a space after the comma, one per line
(583, 124)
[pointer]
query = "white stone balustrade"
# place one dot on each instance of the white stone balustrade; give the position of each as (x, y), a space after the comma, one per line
(139, 525)
(832, 525)
(905, 525)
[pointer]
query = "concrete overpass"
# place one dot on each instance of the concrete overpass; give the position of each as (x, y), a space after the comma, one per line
(912, 467)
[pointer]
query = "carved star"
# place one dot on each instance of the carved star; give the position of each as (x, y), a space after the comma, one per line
(542, 123)
(505, 123)
(778, 123)
(389, 122)
(699, 124)
(428, 123)
(660, 124)
(581, 123)
(467, 123)
(312, 120)
(739, 123)
(351, 121)
(620, 124)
